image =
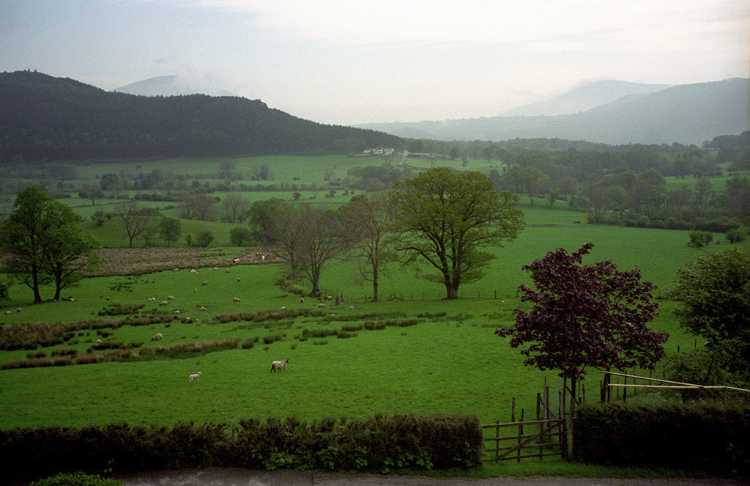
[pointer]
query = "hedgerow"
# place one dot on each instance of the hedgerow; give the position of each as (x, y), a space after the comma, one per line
(379, 444)
(709, 437)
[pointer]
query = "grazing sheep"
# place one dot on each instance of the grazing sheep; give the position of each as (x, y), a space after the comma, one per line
(280, 365)
(283, 307)
(204, 283)
(99, 341)
(236, 300)
(193, 271)
(235, 260)
(301, 300)
(194, 376)
(170, 297)
(157, 336)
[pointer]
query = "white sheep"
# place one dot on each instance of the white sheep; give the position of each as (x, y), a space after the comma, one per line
(194, 376)
(236, 300)
(157, 336)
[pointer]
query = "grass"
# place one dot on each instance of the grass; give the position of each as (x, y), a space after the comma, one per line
(444, 364)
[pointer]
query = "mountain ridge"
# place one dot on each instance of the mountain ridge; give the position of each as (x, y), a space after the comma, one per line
(49, 118)
(688, 113)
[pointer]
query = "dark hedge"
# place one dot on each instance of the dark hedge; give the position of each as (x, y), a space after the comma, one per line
(707, 437)
(379, 443)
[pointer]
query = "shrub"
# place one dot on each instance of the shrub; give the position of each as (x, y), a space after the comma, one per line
(248, 343)
(710, 437)
(736, 235)
(700, 239)
(345, 335)
(120, 309)
(76, 479)
(374, 325)
(318, 333)
(379, 444)
(272, 339)
(204, 239)
(240, 236)
(351, 327)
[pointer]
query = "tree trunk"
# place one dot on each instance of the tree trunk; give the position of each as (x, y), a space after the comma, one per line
(452, 291)
(573, 403)
(35, 284)
(375, 296)
(58, 287)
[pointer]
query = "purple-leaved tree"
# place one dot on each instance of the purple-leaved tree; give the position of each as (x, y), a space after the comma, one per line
(585, 316)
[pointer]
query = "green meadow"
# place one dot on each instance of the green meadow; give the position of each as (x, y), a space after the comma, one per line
(448, 362)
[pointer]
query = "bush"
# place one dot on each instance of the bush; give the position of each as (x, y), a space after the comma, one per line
(240, 236)
(3, 291)
(120, 309)
(204, 239)
(699, 239)
(709, 437)
(76, 479)
(379, 443)
(736, 235)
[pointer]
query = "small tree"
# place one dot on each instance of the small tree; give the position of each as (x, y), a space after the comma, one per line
(320, 242)
(204, 239)
(736, 235)
(226, 169)
(585, 316)
(240, 236)
(365, 223)
(136, 221)
(170, 229)
(235, 208)
(700, 239)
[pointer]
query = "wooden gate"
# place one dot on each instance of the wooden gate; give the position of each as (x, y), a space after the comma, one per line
(524, 439)
(545, 435)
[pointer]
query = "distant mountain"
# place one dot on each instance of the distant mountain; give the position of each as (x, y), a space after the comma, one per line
(171, 85)
(48, 118)
(689, 113)
(584, 97)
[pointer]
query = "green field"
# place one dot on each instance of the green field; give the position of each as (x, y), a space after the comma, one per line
(450, 364)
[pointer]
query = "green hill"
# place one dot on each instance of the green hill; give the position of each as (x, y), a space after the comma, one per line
(48, 118)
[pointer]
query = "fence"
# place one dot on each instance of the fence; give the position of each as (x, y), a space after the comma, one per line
(544, 435)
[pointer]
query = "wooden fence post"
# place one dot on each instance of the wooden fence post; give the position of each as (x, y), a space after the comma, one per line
(497, 440)
(513, 410)
(520, 433)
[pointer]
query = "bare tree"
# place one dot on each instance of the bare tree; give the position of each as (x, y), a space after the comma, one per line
(306, 239)
(227, 169)
(135, 221)
(365, 222)
(198, 206)
(235, 208)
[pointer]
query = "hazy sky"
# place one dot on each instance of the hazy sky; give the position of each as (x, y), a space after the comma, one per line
(352, 61)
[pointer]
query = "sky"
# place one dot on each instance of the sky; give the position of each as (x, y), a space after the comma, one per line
(347, 61)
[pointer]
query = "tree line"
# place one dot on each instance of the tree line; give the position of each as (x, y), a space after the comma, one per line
(442, 218)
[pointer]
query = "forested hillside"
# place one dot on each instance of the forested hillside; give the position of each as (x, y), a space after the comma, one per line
(48, 118)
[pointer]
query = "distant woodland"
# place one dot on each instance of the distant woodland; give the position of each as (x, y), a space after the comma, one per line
(46, 118)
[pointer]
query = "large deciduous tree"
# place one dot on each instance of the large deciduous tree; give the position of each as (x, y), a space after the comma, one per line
(715, 295)
(365, 222)
(22, 237)
(320, 242)
(44, 239)
(585, 316)
(65, 247)
(446, 217)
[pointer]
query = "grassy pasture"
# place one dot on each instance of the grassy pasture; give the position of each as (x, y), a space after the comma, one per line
(452, 364)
